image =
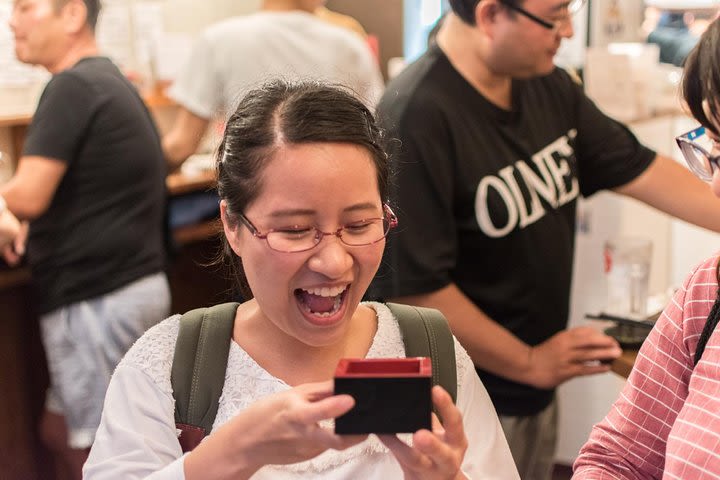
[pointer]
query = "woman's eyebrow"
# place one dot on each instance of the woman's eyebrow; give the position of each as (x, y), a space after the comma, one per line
(299, 212)
(362, 206)
(292, 212)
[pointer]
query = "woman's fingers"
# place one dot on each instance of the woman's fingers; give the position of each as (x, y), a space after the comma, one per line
(409, 457)
(452, 423)
(313, 412)
(443, 456)
(316, 391)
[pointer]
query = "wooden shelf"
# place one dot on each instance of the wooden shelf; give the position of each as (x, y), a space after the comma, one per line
(196, 233)
(22, 120)
(10, 277)
(179, 183)
(14, 277)
(155, 99)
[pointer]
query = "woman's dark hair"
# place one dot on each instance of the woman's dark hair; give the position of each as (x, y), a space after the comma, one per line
(701, 78)
(281, 113)
(465, 9)
(701, 82)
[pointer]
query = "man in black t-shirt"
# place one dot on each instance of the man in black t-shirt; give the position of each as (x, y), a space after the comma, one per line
(496, 145)
(91, 183)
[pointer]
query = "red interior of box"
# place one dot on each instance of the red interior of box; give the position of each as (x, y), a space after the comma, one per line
(384, 367)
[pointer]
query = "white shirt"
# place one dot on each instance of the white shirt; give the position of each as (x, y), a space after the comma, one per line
(241, 53)
(137, 436)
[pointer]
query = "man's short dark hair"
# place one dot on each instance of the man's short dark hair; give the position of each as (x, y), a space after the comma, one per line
(93, 11)
(465, 9)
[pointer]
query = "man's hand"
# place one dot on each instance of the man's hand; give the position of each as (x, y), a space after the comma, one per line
(570, 353)
(13, 235)
(9, 227)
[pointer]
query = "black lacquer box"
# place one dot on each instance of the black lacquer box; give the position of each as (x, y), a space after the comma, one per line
(392, 395)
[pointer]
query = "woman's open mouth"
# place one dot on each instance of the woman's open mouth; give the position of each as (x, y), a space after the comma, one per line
(322, 303)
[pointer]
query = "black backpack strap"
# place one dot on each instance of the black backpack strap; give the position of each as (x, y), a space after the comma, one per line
(426, 333)
(710, 323)
(198, 369)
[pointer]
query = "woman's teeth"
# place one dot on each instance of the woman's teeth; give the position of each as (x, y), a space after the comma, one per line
(322, 302)
(326, 291)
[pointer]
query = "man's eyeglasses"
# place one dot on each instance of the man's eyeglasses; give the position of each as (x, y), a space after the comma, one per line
(573, 7)
(696, 147)
(299, 238)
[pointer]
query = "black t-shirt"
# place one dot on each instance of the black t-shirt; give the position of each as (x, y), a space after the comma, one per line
(486, 197)
(104, 226)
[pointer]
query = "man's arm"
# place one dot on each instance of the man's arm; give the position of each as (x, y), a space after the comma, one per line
(565, 355)
(29, 192)
(184, 138)
(673, 189)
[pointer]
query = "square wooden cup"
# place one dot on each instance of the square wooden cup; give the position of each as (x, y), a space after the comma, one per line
(392, 395)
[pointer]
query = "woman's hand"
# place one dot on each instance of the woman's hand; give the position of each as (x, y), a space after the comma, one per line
(279, 429)
(434, 455)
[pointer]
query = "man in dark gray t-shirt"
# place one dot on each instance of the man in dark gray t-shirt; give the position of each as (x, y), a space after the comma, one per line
(91, 184)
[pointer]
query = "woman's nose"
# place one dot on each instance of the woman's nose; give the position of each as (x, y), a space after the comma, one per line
(331, 257)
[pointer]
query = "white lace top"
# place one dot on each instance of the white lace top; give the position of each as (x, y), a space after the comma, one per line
(137, 435)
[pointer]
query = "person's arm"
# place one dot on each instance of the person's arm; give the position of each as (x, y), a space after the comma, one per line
(631, 442)
(198, 90)
(137, 436)
(673, 189)
(492, 347)
(29, 192)
(184, 137)
(279, 429)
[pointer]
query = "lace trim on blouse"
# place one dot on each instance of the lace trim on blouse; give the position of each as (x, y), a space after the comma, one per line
(247, 382)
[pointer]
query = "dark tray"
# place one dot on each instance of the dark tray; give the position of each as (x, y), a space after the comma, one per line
(628, 336)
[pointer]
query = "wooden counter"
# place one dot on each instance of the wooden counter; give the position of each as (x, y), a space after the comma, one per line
(624, 364)
(18, 123)
(177, 184)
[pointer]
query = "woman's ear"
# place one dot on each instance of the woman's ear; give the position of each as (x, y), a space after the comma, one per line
(230, 228)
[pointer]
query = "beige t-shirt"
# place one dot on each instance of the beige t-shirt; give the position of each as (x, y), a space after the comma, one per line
(238, 54)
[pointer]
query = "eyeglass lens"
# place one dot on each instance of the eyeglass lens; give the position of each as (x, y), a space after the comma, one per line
(696, 148)
(358, 234)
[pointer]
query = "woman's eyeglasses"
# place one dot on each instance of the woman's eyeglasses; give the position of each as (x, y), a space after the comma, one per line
(696, 147)
(299, 238)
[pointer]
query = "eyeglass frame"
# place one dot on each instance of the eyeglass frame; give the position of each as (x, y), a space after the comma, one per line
(543, 23)
(389, 216)
(689, 139)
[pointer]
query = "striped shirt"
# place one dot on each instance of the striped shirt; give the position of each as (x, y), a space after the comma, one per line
(666, 422)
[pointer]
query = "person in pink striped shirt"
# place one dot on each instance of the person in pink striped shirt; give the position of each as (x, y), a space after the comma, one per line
(666, 422)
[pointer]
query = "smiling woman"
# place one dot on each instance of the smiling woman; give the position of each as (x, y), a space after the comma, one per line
(303, 182)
